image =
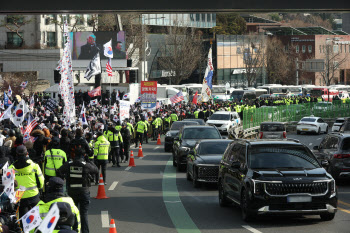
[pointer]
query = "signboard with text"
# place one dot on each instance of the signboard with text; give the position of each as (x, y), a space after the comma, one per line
(124, 108)
(148, 94)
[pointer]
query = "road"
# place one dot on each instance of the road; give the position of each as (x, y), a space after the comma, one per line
(152, 197)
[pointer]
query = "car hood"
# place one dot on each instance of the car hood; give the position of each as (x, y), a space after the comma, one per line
(209, 159)
(173, 133)
(290, 174)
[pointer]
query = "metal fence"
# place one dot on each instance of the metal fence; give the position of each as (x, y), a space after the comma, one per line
(287, 113)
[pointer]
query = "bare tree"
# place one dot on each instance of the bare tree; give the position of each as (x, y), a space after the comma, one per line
(181, 53)
(14, 23)
(253, 51)
(75, 22)
(333, 59)
(276, 60)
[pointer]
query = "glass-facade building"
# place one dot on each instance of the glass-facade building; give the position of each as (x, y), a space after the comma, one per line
(204, 20)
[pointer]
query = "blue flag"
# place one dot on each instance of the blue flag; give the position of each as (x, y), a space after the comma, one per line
(7, 101)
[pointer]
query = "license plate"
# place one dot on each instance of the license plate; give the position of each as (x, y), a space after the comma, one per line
(293, 199)
(305, 129)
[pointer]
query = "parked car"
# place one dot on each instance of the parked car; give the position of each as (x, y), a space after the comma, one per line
(203, 161)
(312, 125)
(187, 139)
(174, 130)
(338, 123)
(273, 130)
(345, 127)
(199, 121)
(224, 120)
(335, 148)
(275, 177)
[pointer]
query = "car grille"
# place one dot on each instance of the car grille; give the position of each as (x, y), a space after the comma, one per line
(298, 206)
(278, 189)
(217, 125)
(208, 173)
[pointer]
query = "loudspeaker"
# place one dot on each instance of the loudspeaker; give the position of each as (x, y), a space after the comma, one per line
(56, 76)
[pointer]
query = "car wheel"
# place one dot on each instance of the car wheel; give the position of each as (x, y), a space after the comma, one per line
(174, 161)
(319, 131)
(188, 176)
(246, 215)
(222, 196)
(327, 216)
(326, 130)
(195, 183)
(298, 132)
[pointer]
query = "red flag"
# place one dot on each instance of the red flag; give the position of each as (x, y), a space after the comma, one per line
(95, 92)
(195, 98)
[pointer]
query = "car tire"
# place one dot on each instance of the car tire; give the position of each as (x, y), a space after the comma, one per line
(174, 161)
(223, 201)
(298, 132)
(326, 132)
(319, 131)
(195, 183)
(246, 215)
(327, 216)
(188, 176)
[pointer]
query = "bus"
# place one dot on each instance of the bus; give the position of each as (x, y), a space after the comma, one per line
(240, 94)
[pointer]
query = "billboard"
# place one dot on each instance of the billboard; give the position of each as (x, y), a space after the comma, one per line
(148, 94)
(85, 45)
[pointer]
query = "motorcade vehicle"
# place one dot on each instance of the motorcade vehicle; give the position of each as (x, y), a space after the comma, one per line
(203, 161)
(224, 120)
(273, 130)
(187, 138)
(312, 124)
(174, 130)
(335, 148)
(275, 177)
(338, 123)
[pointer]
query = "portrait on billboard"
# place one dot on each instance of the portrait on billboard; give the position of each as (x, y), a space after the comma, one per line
(85, 45)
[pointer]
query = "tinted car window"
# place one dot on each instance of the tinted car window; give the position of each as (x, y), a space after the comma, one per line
(201, 133)
(281, 156)
(220, 117)
(272, 127)
(308, 119)
(320, 121)
(339, 121)
(178, 124)
(346, 144)
(213, 148)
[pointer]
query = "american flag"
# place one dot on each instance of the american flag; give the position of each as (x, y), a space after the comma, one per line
(109, 68)
(31, 124)
(177, 98)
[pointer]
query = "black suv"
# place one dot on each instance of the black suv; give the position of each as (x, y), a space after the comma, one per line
(187, 138)
(275, 177)
(335, 148)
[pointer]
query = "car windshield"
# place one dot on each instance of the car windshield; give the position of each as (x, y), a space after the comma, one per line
(339, 121)
(208, 148)
(237, 94)
(178, 124)
(272, 127)
(201, 133)
(281, 156)
(346, 144)
(308, 119)
(220, 117)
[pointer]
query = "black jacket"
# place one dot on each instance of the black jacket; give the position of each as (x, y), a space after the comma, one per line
(125, 132)
(81, 142)
(65, 145)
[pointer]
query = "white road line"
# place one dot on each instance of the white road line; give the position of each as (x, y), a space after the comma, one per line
(310, 144)
(104, 219)
(112, 187)
(157, 147)
(251, 229)
(128, 168)
(319, 138)
(142, 157)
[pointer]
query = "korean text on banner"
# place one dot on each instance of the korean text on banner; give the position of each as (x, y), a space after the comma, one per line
(124, 110)
(148, 94)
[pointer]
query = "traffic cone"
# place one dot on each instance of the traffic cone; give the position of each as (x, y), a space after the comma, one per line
(131, 160)
(140, 154)
(101, 193)
(112, 228)
(158, 140)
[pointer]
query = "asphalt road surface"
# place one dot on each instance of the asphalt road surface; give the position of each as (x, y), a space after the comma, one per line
(152, 197)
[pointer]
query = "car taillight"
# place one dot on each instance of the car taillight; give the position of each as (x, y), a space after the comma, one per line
(341, 156)
(284, 134)
(261, 135)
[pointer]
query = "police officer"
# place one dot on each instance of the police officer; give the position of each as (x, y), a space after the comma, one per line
(140, 130)
(101, 149)
(54, 159)
(131, 128)
(126, 141)
(174, 117)
(78, 173)
(147, 127)
(55, 194)
(115, 139)
(28, 175)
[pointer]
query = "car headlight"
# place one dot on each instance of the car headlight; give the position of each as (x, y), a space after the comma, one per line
(332, 188)
(258, 187)
(184, 148)
(168, 134)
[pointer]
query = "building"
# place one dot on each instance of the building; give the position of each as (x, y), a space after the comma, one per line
(346, 22)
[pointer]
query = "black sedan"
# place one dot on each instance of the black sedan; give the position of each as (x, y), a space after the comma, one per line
(174, 130)
(203, 161)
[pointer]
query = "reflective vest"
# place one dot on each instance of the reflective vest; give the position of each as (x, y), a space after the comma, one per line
(159, 122)
(27, 177)
(45, 207)
(131, 128)
(173, 117)
(114, 139)
(118, 127)
(91, 145)
(54, 159)
(319, 99)
(147, 125)
(101, 148)
(141, 127)
(196, 114)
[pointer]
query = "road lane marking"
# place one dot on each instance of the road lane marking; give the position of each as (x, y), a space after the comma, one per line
(344, 203)
(105, 219)
(112, 187)
(310, 144)
(319, 138)
(344, 210)
(251, 229)
(128, 168)
(177, 213)
(157, 147)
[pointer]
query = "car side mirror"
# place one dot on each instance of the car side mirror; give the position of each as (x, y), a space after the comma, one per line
(324, 163)
(235, 165)
(316, 148)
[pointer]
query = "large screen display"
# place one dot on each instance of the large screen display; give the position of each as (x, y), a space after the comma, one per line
(85, 45)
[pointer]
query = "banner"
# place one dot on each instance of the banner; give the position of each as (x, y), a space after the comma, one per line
(208, 77)
(95, 92)
(51, 104)
(148, 94)
(124, 108)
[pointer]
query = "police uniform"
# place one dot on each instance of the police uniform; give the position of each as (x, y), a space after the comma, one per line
(115, 139)
(54, 159)
(140, 130)
(146, 130)
(101, 150)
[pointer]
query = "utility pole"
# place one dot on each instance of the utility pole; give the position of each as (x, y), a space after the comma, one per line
(297, 71)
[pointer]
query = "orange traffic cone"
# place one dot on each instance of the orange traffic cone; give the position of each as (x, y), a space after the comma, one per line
(140, 154)
(132, 161)
(158, 140)
(101, 193)
(112, 228)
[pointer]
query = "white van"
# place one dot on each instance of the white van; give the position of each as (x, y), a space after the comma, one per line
(224, 120)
